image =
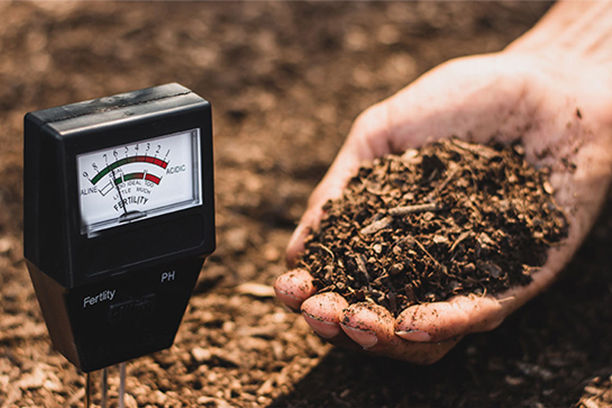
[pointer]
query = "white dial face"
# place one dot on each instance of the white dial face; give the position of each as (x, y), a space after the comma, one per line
(140, 180)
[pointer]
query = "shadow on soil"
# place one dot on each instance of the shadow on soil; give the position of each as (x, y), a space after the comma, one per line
(541, 356)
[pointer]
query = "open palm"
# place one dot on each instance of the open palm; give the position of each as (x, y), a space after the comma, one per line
(563, 121)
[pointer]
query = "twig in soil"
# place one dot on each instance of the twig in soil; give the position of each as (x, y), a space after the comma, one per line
(451, 175)
(409, 239)
(374, 192)
(376, 226)
(479, 150)
(384, 222)
(362, 268)
(410, 209)
(429, 255)
(469, 202)
(326, 249)
(460, 239)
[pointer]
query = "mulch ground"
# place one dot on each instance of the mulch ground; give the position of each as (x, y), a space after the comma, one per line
(285, 80)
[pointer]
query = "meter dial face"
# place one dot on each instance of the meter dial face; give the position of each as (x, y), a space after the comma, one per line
(139, 180)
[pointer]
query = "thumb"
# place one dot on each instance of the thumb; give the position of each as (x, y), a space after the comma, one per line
(368, 138)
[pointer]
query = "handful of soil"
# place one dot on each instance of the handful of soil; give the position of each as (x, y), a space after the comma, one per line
(450, 218)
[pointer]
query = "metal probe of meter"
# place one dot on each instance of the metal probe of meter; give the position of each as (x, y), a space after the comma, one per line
(118, 218)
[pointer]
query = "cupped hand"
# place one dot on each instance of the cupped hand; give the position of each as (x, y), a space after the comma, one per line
(562, 115)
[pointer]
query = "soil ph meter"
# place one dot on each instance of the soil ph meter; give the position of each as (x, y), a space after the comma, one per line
(119, 215)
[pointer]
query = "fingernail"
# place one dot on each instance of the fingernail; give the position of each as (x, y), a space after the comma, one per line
(365, 338)
(414, 335)
(289, 300)
(325, 329)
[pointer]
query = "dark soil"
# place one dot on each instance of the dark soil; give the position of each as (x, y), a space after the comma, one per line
(285, 79)
(449, 218)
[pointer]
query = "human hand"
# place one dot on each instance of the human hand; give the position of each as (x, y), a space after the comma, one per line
(562, 114)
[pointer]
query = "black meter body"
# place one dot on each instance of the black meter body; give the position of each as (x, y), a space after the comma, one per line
(118, 218)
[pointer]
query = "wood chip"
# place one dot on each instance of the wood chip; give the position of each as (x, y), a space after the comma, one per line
(254, 289)
(200, 354)
(376, 226)
(480, 150)
(410, 209)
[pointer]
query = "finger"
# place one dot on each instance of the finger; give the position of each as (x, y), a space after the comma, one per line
(465, 314)
(432, 322)
(373, 328)
(368, 324)
(323, 313)
(293, 287)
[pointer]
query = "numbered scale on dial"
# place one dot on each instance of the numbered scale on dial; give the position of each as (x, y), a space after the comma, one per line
(119, 216)
(139, 180)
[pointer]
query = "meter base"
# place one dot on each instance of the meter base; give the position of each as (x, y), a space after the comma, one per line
(123, 317)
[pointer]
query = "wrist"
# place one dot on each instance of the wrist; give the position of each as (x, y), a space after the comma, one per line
(574, 32)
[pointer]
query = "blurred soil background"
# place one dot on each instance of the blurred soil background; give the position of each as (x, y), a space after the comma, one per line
(285, 81)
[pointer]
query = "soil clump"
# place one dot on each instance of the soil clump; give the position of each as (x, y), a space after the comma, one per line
(450, 218)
